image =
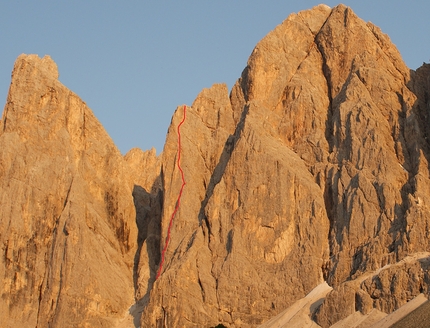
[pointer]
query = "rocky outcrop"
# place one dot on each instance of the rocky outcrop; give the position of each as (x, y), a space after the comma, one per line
(322, 176)
(386, 290)
(67, 219)
(314, 171)
(220, 258)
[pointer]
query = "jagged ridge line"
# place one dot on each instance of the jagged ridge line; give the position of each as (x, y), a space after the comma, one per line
(178, 201)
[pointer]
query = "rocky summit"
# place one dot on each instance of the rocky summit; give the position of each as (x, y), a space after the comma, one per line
(306, 203)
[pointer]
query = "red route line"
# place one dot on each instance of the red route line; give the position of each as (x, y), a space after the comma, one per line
(179, 197)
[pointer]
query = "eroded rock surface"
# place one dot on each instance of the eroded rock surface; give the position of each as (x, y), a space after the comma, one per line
(323, 176)
(313, 170)
(67, 221)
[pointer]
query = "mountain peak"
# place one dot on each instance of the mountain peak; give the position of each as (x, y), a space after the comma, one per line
(46, 65)
(306, 195)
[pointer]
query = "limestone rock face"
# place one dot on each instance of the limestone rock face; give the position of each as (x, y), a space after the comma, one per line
(67, 219)
(229, 262)
(315, 168)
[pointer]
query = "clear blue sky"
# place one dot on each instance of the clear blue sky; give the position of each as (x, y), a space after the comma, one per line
(134, 62)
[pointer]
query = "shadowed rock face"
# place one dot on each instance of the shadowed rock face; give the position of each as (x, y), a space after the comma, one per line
(314, 168)
(68, 234)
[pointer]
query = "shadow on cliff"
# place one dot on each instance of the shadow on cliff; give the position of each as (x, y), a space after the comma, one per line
(412, 136)
(415, 131)
(148, 220)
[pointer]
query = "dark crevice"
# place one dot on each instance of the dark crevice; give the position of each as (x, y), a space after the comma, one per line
(229, 243)
(332, 174)
(53, 317)
(244, 83)
(148, 207)
(329, 131)
(9, 104)
(39, 305)
(201, 289)
(66, 200)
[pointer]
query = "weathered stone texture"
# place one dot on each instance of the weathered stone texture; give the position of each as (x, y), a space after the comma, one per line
(322, 175)
(315, 168)
(68, 234)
